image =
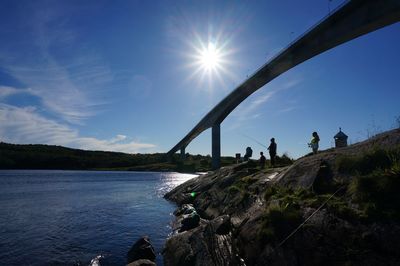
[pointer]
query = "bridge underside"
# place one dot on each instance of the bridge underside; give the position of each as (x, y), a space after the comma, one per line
(354, 19)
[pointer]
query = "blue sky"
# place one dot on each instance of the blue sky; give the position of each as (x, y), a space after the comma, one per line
(125, 75)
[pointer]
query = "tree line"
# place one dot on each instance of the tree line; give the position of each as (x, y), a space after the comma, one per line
(37, 156)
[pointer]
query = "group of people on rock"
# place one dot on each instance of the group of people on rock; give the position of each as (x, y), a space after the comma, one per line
(314, 145)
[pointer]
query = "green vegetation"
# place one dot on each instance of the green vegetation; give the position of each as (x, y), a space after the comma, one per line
(283, 212)
(279, 220)
(376, 184)
(242, 190)
(13, 156)
(371, 195)
(368, 162)
(242, 186)
(283, 160)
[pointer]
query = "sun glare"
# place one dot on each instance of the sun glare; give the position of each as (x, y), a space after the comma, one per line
(210, 61)
(210, 57)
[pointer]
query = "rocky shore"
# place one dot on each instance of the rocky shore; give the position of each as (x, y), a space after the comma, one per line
(339, 207)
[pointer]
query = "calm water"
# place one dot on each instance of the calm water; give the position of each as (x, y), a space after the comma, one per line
(70, 217)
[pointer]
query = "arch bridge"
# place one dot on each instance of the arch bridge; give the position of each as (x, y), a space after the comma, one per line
(352, 19)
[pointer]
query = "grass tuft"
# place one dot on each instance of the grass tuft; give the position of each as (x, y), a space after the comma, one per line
(279, 220)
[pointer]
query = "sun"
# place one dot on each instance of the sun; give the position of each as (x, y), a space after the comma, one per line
(210, 57)
(210, 62)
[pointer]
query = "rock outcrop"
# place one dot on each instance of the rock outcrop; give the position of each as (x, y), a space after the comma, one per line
(142, 262)
(141, 253)
(295, 215)
(210, 243)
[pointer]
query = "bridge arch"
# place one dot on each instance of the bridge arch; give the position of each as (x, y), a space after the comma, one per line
(351, 20)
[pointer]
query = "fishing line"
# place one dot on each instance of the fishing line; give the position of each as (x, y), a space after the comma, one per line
(253, 139)
(309, 217)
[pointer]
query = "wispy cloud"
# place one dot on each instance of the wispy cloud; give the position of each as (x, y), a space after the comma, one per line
(64, 74)
(286, 109)
(118, 138)
(249, 111)
(52, 60)
(71, 98)
(25, 125)
(6, 91)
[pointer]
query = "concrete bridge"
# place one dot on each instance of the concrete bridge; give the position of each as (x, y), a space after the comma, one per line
(351, 20)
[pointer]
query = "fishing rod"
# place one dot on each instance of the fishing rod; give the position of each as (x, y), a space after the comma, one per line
(253, 139)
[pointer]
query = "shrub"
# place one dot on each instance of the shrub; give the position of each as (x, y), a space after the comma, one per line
(233, 189)
(377, 193)
(284, 160)
(341, 209)
(368, 162)
(269, 192)
(279, 221)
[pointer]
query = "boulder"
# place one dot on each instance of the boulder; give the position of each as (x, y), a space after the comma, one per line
(202, 246)
(221, 225)
(142, 249)
(184, 209)
(142, 262)
(190, 221)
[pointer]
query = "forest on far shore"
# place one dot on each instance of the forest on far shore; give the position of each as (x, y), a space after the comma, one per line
(38, 156)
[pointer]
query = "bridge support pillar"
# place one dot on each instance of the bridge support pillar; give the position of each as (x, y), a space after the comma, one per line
(183, 154)
(216, 146)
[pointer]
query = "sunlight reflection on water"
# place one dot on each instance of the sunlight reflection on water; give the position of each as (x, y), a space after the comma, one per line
(170, 181)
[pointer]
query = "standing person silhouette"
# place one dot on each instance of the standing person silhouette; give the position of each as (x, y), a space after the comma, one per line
(272, 151)
(314, 142)
(249, 153)
(262, 160)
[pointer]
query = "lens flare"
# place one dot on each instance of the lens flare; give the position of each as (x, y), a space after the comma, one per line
(211, 62)
(210, 58)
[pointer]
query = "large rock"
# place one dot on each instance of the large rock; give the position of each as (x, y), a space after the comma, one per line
(208, 244)
(142, 249)
(308, 170)
(184, 209)
(142, 263)
(190, 221)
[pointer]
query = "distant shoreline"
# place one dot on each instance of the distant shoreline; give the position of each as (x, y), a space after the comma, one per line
(50, 157)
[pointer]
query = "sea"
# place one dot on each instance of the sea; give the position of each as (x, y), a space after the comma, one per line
(52, 217)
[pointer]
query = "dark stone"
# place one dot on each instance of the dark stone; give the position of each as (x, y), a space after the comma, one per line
(142, 262)
(323, 182)
(186, 198)
(142, 249)
(251, 171)
(184, 209)
(190, 222)
(227, 181)
(200, 246)
(222, 225)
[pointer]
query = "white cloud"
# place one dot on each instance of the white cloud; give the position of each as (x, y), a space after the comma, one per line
(24, 125)
(6, 91)
(286, 109)
(248, 111)
(118, 138)
(69, 92)
(68, 78)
